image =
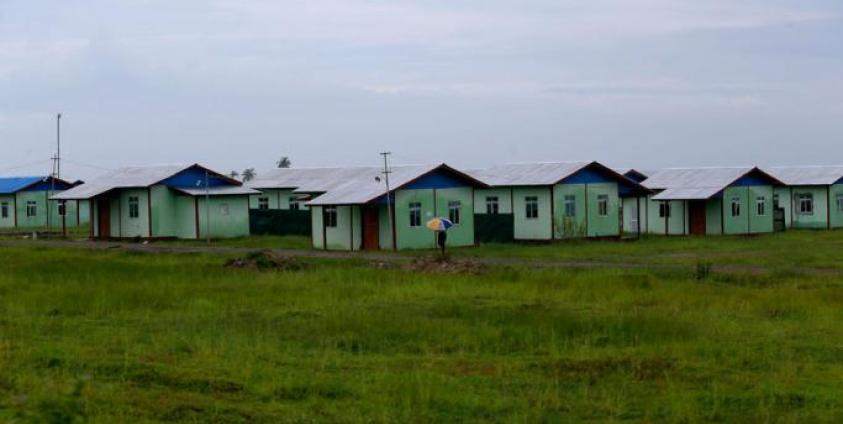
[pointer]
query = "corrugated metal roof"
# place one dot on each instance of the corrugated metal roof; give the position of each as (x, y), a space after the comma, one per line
(218, 191)
(127, 177)
(10, 185)
(807, 175)
(528, 174)
(695, 183)
(342, 186)
(687, 193)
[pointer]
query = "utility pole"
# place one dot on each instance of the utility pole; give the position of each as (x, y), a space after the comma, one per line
(389, 206)
(207, 209)
(58, 145)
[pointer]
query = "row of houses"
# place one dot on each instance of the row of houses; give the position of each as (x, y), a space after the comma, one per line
(352, 209)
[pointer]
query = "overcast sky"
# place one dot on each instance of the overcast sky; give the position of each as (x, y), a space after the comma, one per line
(238, 83)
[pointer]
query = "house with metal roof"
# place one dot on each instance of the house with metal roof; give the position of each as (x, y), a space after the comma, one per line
(550, 201)
(351, 208)
(276, 209)
(812, 197)
(737, 200)
(167, 201)
(633, 205)
(25, 204)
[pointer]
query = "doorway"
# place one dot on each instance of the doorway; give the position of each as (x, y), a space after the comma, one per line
(103, 218)
(371, 228)
(696, 212)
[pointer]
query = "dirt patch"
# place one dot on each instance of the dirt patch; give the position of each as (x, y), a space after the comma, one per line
(267, 261)
(444, 265)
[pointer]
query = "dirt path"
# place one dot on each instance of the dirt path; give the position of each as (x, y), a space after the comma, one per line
(395, 257)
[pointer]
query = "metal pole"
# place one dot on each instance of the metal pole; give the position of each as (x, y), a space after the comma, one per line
(58, 145)
(207, 209)
(386, 173)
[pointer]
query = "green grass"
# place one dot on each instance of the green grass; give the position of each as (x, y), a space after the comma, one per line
(113, 336)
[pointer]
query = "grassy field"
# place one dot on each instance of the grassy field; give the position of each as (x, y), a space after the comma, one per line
(113, 336)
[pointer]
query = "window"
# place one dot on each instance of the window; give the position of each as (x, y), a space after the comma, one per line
(760, 206)
(224, 209)
(492, 205)
(294, 203)
(134, 208)
(603, 204)
(263, 203)
(330, 216)
(736, 206)
(806, 203)
(840, 203)
(454, 208)
(775, 201)
(62, 206)
(4, 210)
(31, 208)
(664, 210)
(570, 205)
(531, 205)
(415, 214)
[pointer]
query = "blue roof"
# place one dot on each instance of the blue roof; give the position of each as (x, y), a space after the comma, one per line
(10, 185)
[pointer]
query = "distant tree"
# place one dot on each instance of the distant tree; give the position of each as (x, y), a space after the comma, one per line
(234, 174)
(284, 162)
(248, 174)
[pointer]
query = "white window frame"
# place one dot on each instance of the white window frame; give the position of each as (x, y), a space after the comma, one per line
(602, 205)
(805, 204)
(329, 214)
(263, 203)
(761, 206)
(61, 207)
(839, 199)
(31, 208)
(4, 210)
(735, 207)
(455, 211)
(664, 210)
(531, 207)
(415, 214)
(134, 207)
(294, 203)
(492, 205)
(570, 205)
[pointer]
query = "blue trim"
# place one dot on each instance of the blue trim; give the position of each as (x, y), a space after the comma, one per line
(194, 177)
(840, 181)
(437, 179)
(588, 176)
(750, 180)
(13, 185)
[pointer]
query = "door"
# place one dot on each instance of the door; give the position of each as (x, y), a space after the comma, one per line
(371, 228)
(104, 218)
(696, 212)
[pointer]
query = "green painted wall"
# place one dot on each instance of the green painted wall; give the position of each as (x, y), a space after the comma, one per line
(163, 211)
(713, 216)
(570, 227)
(503, 194)
(461, 234)
(534, 228)
(40, 218)
(607, 225)
(633, 213)
(129, 227)
(276, 198)
(9, 202)
(836, 211)
(184, 217)
(785, 203)
(414, 237)
(345, 236)
(316, 227)
(84, 211)
(229, 216)
(748, 221)
(384, 231)
(677, 223)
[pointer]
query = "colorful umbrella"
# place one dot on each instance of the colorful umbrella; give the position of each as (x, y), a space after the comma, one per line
(439, 224)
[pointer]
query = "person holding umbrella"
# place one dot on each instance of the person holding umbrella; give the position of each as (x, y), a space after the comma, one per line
(440, 225)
